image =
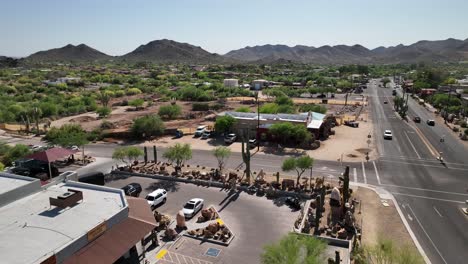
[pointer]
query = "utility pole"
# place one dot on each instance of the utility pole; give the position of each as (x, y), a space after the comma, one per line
(258, 120)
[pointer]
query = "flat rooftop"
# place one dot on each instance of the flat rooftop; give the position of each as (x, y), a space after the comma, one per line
(11, 181)
(31, 229)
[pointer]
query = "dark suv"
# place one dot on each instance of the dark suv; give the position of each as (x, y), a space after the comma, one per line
(430, 122)
(132, 189)
(417, 119)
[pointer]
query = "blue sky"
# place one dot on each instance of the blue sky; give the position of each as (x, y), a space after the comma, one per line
(119, 26)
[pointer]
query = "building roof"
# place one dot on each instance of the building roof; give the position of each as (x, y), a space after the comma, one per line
(314, 120)
(109, 247)
(10, 182)
(52, 154)
(31, 230)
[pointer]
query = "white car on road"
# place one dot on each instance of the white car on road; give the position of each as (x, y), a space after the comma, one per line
(387, 134)
(192, 207)
(156, 197)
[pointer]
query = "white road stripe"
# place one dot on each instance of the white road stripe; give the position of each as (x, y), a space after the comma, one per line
(364, 172)
(376, 172)
(437, 211)
(355, 174)
(424, 230)
(421, 189)
(411, 143)
(425, 197)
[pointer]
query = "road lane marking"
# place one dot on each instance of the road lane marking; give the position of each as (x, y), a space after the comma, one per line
(355, 174)
(426, 142)
(421, 189)
(425, 197)
(424, 165)
(424, 230)
(437, 211)
(364, 172)
(161, 254)
(411, 143)
(376, 173)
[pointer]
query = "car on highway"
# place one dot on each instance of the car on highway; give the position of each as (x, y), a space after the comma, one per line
(132, 189)
(394, 92)
(385, 102)
(387, 134)
(200, 130)
(430, 122)
(417, 119)
(230, 138)
(156, 197)
(192, 207)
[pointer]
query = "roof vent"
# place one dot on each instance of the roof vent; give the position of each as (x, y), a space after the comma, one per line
(67, 199)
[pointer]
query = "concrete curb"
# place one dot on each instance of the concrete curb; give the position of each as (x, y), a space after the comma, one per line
(384, 194)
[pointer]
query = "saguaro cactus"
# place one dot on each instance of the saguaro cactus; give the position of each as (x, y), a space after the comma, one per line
(146, 154)
(155, 154)
(246, 155)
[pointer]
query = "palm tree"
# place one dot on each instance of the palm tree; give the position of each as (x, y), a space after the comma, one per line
(293, 249)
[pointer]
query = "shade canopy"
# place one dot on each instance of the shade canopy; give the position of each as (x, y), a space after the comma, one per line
(52, 154)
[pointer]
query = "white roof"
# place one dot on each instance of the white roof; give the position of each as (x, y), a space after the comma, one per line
(32, 230)
(11, 181)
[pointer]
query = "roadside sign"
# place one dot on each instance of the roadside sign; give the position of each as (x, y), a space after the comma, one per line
(369, 136)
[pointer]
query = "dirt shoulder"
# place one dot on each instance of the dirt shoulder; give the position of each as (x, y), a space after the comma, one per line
(379, 220)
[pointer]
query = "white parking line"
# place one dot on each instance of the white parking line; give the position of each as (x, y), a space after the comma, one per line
(376, 172)
(364, 172)
(437, 211)
(411, 143)
(424, 230)
(427, 190)
(355, 174)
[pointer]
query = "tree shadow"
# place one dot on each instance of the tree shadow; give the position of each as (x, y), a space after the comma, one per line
(170, 186)
(232, 197)
(215, 141)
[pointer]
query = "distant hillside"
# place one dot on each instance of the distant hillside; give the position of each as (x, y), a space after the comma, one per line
(430, 51)
(69, 53)
(169, 51)
(8, 62)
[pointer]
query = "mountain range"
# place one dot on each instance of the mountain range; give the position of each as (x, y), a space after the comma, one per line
(169, 51)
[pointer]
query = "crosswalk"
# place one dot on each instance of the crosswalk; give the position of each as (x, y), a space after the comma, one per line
(364, 172)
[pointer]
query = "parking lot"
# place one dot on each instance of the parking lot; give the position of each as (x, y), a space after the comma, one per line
(255, 221)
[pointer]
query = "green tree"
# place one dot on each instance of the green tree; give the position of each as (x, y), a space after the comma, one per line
(344, 85)
(104, 97)
(14, 153)
(300, 165)
(132, 91)
(224, 123)
(170, 112)
(178, 154)
(147, 126)
(138, 102)
(67, 135)
(2, 167)
(243, 109)
(103, 111)
(283, 100)
(385, 81)
(222, 154)
(269, 108)
(120, 154)
(294, 248)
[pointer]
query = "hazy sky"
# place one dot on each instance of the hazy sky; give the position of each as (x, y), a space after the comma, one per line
(119, 26)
